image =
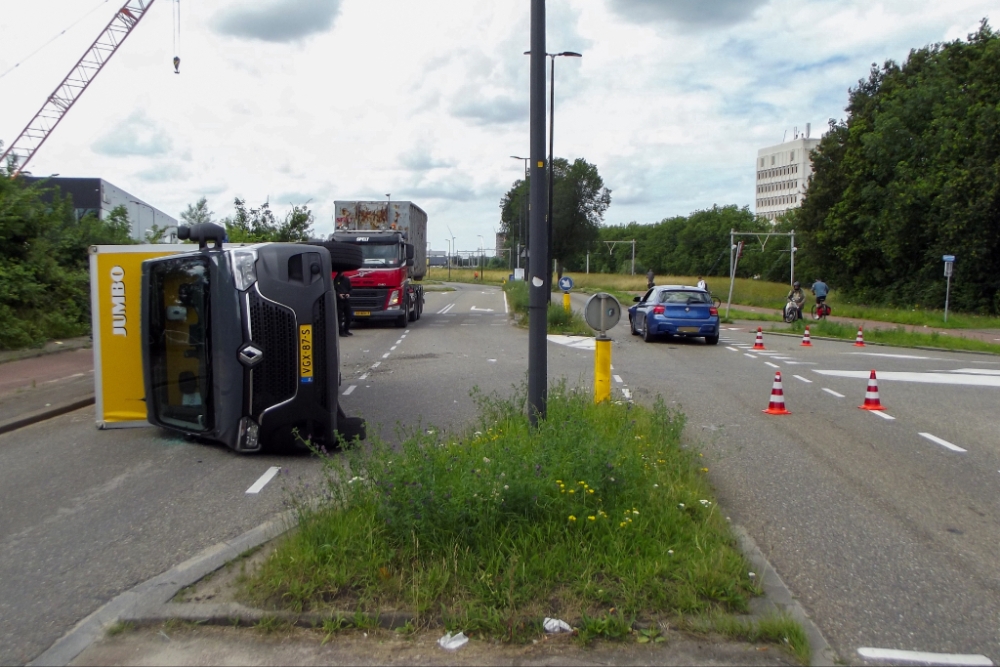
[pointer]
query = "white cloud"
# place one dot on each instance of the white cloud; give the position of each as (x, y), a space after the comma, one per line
(427, 100)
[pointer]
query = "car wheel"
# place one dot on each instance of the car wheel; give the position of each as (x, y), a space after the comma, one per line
(646, 335)
(712, 340)
(631, 325)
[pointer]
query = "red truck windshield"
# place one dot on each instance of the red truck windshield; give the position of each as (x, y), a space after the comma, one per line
(380, 255)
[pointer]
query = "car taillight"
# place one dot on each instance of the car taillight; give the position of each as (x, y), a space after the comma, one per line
(713, 311)
(659, 310)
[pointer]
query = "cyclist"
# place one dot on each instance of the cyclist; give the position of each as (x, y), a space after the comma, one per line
(798, 297)
(820, 290)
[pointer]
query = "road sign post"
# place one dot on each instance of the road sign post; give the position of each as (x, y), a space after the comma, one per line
(566, 284)
(949, 264)
(602, 312)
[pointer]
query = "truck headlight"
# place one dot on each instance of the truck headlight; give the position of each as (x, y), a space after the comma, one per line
(394, 298)
(248, 438)
(244, 268)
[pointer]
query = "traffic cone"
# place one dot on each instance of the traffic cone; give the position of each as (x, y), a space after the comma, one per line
(860, 340)
(871, 396)
(806, 342)
(777, 404)
(759, 343)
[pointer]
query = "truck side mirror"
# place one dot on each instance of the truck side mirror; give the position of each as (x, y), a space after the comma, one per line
(409, 262)
(409, 253)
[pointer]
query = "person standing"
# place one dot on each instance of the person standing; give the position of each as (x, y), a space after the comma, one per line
(342, 287)
(650, 279)
(702, 284)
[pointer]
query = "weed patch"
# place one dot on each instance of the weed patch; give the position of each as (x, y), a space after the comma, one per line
(898, 337)
(560, 321)
(492, 530)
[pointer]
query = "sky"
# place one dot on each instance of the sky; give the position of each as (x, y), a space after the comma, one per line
(309, 101)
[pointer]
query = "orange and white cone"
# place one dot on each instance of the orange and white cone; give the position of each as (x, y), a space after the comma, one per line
(777, 404)
(871, 396)
(806, 341)
(759, 343)
(860, 340)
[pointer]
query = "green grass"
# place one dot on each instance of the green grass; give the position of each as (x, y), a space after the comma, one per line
(898, 336)
(119, 627)
(736, 314)
(597, 516)
(778, 629)
(560, 321)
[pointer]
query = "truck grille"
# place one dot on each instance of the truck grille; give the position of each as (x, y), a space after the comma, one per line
(273, 329)
(319, 350)
(368, 299)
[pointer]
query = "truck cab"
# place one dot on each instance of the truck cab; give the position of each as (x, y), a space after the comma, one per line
(381, 289)
(240, 344)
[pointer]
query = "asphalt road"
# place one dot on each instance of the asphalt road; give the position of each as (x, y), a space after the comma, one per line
(888, 537)
(88, 514)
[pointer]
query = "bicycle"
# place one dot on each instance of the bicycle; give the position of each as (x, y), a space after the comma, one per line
(820, 310)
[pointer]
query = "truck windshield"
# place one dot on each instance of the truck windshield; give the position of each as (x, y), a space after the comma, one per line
(178, 340)
(380, 255)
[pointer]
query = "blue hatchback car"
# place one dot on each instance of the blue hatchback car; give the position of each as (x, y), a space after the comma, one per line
(675, 310)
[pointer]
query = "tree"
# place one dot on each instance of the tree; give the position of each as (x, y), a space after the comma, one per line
(579, 203)
(913, 173)
(259, 224)
(197, 213)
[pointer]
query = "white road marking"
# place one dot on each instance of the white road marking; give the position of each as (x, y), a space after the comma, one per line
(393, 348)
(446, 308)
(766, 353)
(385, 356)
(891, 356)
(832, 392)
(618, 378)
(732, 349)
(347, 392)
(68, 377)
(803, 379)
(505, 308)
(363, 377)
(406, 331)
(376, 364)
(492, 361)
(923, 657)
(881, 414)
(943, 443)
(264, 479)
(403, 336)
(976, 371)
(481, 310)
(747, 354)
(398, 342)
(768, 363)
(931, 378)
(578, 342)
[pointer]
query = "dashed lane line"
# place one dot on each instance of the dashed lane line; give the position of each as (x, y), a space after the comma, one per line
(832, 392)
(768, 363)
(799, 377)
(923, 657)
(347, 392)
(942, 442)
(263, 480)
(732, 349)
(882, 415)
(747, 354)
(618, 378)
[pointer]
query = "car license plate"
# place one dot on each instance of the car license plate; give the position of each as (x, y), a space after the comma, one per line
(362, 313)
(689, 329)
(306, 353)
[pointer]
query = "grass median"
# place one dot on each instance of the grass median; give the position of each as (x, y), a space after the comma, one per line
(898, 337)
(560, 321)
(597, 517)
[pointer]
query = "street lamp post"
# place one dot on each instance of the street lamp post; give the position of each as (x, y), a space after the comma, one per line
(448, 241)
(387, 203)
(524, 205)
(552, 105)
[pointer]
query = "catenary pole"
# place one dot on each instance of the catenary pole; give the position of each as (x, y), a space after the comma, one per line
(539, 264)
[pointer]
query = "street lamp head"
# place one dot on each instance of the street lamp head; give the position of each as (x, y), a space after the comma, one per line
(573, 54)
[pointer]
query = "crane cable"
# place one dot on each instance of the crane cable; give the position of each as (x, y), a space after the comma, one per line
(177, 35)
(60, 34)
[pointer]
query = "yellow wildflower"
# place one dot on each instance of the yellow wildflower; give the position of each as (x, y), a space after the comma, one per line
(572, 518)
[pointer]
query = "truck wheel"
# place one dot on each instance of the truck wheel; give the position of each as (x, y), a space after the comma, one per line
(401, 320)
(343, 256)
(413, 310)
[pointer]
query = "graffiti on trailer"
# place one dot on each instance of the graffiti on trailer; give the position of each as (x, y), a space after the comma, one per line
(367, 215)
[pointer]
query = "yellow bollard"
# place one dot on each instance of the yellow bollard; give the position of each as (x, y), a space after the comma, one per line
(602, 370)
(566, 305)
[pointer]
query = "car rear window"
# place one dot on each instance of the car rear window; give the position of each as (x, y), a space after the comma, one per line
(684, 297)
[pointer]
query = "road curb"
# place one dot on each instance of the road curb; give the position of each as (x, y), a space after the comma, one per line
(46, 413)
(143, 600)
(782, 599)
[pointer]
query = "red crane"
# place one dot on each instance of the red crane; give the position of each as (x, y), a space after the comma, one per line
(93, 61)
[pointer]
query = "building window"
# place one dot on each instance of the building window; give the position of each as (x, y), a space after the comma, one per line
(791, 156)
(772, 159)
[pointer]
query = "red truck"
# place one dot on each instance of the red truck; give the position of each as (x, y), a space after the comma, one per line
(393, 241)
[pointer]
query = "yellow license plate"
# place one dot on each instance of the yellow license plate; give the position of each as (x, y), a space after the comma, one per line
(689, 329)
(306, 353)
(362, 313)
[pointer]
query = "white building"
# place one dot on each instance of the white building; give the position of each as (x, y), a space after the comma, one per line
(782, 175)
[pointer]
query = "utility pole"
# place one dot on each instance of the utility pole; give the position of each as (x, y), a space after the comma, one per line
(539, 264)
